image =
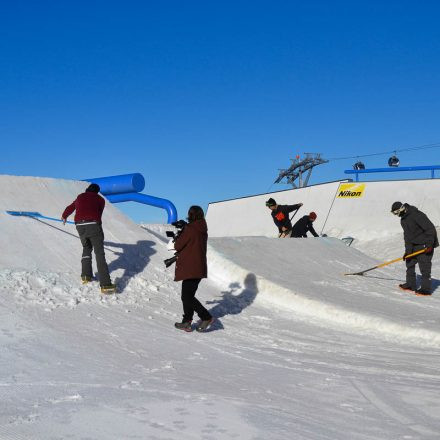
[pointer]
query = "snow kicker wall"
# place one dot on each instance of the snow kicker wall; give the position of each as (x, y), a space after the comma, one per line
(357, 209)
(249, 216)
(368, 216)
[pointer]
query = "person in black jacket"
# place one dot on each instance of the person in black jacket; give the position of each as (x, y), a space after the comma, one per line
(280, 215)
(304, 225)
(419, 233)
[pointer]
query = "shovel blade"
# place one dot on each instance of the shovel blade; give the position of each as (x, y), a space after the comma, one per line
(24, 213)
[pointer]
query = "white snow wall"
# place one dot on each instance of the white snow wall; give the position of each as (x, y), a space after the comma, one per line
(363, 212)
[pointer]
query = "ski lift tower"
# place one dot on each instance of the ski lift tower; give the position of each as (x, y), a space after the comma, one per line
(298, 168)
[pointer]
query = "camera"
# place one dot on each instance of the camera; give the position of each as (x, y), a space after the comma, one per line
(180, 226)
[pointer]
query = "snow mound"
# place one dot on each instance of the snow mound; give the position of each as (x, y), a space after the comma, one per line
(306, 276)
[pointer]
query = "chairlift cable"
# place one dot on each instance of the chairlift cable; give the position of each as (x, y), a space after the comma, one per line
(421, 147)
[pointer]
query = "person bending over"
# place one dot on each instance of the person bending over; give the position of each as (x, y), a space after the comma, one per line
(418, 233)
(280, 216)
(304, 225)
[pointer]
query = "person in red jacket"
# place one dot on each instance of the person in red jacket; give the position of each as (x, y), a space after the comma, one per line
(191, 267)
(89, 207)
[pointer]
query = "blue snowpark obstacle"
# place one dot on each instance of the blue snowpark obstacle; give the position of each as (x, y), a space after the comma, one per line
(35, 215)
(127, 188)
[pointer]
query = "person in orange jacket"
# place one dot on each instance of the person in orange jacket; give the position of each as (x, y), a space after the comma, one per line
(280, 216)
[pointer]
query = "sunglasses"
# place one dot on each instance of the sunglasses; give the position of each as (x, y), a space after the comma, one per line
(398, 211)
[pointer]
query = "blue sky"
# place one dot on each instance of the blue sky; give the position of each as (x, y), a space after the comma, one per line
(209, 99)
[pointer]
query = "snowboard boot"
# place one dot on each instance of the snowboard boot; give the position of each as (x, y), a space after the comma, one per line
(85, 279)
(407, 287)
(204, 325)
(111, 288)
(423, 292)
(184, 325)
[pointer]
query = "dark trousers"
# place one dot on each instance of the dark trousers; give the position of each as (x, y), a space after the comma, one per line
(190, 303)
(424, 262)
(92, 238)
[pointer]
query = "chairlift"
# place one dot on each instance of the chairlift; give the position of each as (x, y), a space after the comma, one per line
(359, 166)
(393, 161)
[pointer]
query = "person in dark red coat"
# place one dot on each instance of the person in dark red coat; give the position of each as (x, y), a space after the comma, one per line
(88, 208)
(191, 267)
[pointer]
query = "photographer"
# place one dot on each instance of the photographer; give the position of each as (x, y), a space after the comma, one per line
(191, 267)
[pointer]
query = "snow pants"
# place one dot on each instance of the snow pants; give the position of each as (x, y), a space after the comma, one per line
(92, 238)
(190, 303)
(425, 263)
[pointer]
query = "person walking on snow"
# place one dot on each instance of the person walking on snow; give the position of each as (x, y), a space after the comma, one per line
(89, 207)
(304, 225)
(419, 233)
(191, 267)
(280, 215)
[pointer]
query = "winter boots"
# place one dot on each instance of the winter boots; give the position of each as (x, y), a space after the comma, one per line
(184, 325)
(111, 288)
(85, 279)
(423, 292)
(419, 292)
(407, 287)
(204, 325)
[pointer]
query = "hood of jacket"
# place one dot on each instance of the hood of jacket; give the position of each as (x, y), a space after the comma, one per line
(199, 225)
(409, 209)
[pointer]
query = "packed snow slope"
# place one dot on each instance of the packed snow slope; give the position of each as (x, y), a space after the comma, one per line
(298, 349)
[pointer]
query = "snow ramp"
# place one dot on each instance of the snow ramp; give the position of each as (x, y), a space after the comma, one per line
(301, 276)
(40, 261)
(305, 278)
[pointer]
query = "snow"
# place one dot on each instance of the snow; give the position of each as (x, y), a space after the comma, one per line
(298, 351)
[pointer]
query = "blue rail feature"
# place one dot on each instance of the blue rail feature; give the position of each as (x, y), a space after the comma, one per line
(431, 168)
(124, 183)
(127, 188)
(147, 200)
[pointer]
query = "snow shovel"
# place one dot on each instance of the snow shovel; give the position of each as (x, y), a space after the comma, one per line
(387, 263)
(35, 215)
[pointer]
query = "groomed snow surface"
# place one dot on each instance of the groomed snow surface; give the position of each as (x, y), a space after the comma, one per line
(298, 351)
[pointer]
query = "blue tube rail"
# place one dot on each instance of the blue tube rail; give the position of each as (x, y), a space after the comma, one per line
(394, 169)
(126, 188)
(147, 200)
(124, 183)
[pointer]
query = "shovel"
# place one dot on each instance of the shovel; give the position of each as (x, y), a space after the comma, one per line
(36, 215)
(387, 263)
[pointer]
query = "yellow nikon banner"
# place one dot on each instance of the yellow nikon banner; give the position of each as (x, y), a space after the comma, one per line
(351, 190)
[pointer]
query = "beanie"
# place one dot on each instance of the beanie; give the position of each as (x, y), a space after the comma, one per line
(94, 188)
(271, 202)
(312, 215)
(395, 206)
